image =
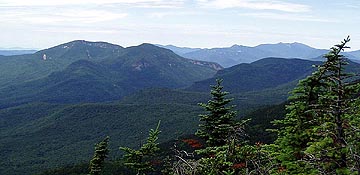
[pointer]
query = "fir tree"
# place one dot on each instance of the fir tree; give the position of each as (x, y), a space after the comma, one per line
(331, 153)
(140, 160)
(297, 127)
(318, 132)
(218, 124)
(227, 150)
(101, 153)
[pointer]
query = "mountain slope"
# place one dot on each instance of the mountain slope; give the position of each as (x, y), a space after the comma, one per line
(259, 75)
(81, 81)
(38, 136)
(104, 76)
(291, 50)
(237, 54)
(22, 68)
(81, 49)
(267, 81)
(16, 52)
(179, 50)
(151, 64)
(355, 54)
(228, 56)
(64, 135)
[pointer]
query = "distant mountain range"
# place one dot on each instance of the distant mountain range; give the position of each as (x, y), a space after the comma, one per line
(15, 52)
(237, 54)
(355, 53)
(179, 50)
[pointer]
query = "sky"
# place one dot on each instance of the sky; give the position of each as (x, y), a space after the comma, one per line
(42, 24)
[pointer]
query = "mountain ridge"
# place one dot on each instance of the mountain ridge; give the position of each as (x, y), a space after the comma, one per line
(258, 75)
(237, 54)
(81, 71)
(5, 52)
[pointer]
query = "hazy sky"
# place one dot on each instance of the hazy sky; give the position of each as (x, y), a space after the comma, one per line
(192, 23)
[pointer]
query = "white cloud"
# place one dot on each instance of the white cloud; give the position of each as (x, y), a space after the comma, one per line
(60, 16)
(351, 5)
(160, 14)
(89, 16)
(78, 31)
(135, 3)
(255, 4)
(288, 17)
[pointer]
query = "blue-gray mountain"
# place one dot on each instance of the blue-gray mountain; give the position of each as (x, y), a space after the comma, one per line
(179, 50)
(16, 52)
(236, 54)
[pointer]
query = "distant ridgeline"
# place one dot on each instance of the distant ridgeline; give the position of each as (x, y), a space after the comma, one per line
(15, 52)
(56, 103)
(236, 54)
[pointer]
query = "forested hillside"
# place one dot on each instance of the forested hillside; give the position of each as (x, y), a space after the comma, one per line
(82, 71)
(84, 91)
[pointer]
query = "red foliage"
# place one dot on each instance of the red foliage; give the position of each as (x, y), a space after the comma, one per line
(193, 143)
(281, 169)
(155, 162)
(239, 165)
(258, 144)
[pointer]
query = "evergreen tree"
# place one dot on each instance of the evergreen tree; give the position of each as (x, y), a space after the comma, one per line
(140, 160)
(330, 153)
(101, 153)
(227, 151)
(318, 132)
(218, 124)
(296, 129)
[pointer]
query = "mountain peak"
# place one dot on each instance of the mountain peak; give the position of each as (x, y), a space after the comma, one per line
(77, 45)
(236, 46)
(179, 50)
(293, 44)
(80, 49)
(89, 43)
(148, 45)
(147, 48)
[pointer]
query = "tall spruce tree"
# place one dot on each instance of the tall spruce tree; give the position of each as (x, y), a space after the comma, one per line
(297, 126)
(140, 160)
(319, 134)
(331, 153)
(227, 150)
(101, 153)
(218, 123)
